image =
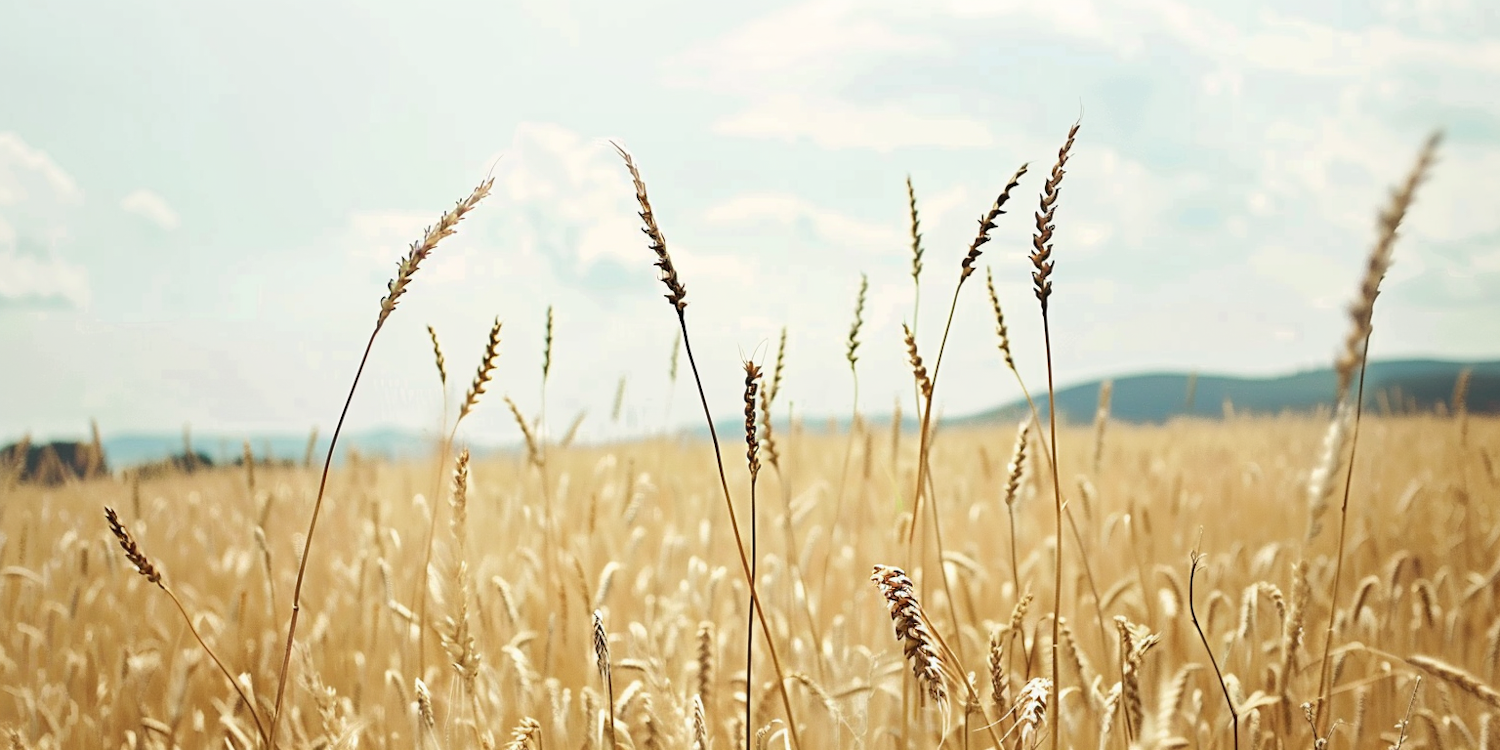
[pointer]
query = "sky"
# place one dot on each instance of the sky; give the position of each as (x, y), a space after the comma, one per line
(201, 203)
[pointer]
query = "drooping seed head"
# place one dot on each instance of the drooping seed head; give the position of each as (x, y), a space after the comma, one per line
(1001, 332)
(601, 647)
(911, 629)
(437, 353)
(133, 552)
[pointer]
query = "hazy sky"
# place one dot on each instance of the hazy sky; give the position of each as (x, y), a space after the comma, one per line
(200, 203)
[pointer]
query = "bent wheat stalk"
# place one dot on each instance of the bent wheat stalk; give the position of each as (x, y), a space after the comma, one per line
(151, 573)
(445, 227)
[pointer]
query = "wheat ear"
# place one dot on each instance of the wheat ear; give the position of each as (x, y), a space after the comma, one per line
(1356, 354)
(482, 377)
(851, 354)
(1041, 279)
(601, 660)
(446, 225)
(442, 368)
(752, 462)
(677, 296)
(151, 573)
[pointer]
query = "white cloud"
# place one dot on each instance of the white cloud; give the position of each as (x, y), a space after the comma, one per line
(783, 209)
(570, 195)
(32, 281)
(37, 198)
(832, 124)
(151, 207)
(28, 174)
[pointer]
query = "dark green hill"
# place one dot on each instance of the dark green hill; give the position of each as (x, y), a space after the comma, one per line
(1391, 386)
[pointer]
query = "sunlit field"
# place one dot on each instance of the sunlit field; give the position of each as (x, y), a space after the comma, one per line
(1294, 581)
(641, 534)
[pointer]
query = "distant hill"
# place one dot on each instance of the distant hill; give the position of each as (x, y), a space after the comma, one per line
(1391, 386)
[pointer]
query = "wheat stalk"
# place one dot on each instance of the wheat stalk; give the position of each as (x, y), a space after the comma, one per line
(752, 462)
(483, 374)
(1356, 355)
(851, 354)
(1041, 280)
(151, 573)
(446, 225)
(677, 297)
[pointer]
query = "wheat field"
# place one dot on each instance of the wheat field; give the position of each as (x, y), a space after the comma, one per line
(1216, 584)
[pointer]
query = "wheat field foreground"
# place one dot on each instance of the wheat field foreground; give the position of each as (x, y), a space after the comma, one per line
(91, 649)
(1323, 581)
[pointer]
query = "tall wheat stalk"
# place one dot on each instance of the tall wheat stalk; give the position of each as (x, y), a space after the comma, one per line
(677, 296)
(446, 226)
(1041, 280)
(1355, 355)
(752, 463)
(1003, 337)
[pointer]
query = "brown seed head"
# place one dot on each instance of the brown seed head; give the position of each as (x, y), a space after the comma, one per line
(437, 353)
(916, 230)
(601, 647)
(851, 349)
(547, 347)
(1001, 332)
(1040, 242)
(485, 373)
(987, 223)
(912, 630)
(919, 371)
(752, 446)
(676, 291)
(133, 552)
(1017, 463)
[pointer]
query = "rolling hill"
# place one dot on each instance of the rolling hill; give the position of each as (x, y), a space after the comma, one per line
(1391, 386)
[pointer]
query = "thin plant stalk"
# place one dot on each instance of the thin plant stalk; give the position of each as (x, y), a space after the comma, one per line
(1041, 279)
(1083, 557)
(482, 377)
(851, 353)
(445, 226)
(927, 389)
(146, 568)
(1234, 717)
(1361, 314)
(677, 297)
(752, 462)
